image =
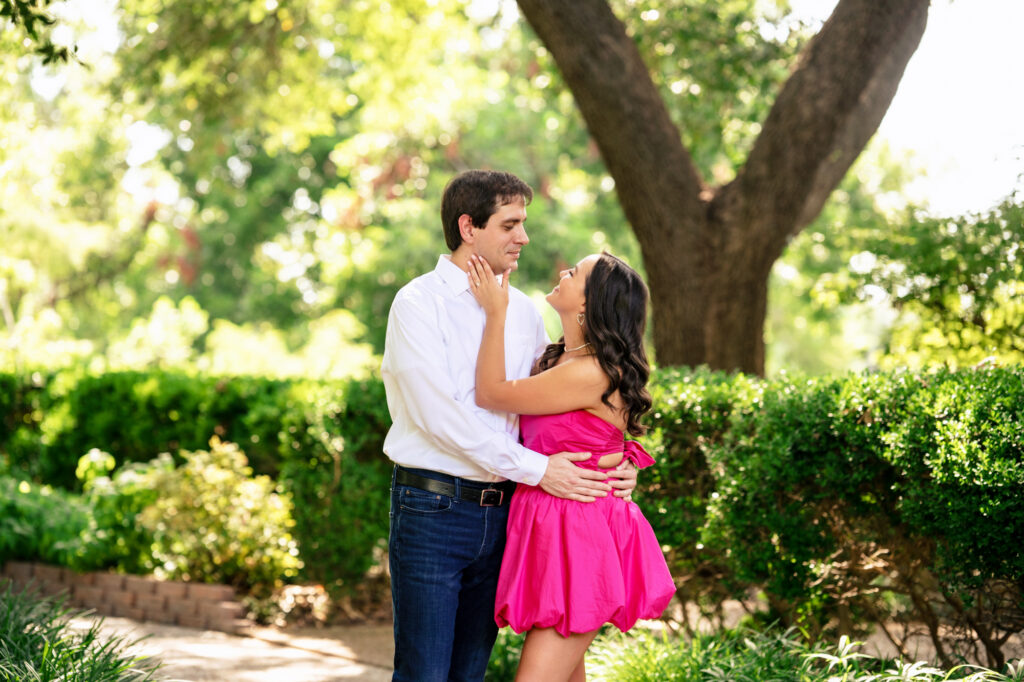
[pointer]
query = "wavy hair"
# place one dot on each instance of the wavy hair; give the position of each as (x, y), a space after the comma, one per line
(615, 317)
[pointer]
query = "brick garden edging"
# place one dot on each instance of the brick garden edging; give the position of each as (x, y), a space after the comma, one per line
(194, 605)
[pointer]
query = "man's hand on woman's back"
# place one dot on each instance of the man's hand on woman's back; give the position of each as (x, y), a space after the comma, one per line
(564, 479)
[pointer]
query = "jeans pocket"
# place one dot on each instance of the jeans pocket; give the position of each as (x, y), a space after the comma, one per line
(422, 502)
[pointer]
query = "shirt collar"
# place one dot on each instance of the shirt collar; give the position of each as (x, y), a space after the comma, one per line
(454, 277)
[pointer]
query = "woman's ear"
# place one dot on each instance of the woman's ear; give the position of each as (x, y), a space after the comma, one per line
(466, 229)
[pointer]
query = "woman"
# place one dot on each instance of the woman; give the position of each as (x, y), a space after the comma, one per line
(571, 566)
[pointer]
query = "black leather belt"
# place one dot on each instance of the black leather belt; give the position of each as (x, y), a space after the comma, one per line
(490, 495)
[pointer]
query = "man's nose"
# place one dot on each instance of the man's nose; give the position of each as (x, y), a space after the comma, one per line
(521, 237)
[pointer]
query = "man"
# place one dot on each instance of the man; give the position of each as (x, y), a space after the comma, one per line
(456, 463)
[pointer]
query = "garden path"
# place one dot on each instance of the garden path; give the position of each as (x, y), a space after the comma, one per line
(360, 653)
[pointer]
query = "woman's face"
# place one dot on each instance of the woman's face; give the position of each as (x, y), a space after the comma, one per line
(567, 296)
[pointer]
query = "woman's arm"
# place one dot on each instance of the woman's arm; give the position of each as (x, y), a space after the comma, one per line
(570, 386)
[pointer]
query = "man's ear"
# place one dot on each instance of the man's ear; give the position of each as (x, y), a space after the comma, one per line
(466, 229)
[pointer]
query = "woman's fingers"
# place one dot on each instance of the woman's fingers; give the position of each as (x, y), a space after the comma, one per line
(483, 284)
(485, 267)
(474, 272)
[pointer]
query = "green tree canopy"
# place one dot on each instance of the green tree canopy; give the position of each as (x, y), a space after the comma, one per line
(262, 168)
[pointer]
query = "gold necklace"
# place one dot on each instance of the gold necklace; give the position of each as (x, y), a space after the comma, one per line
(569, 350)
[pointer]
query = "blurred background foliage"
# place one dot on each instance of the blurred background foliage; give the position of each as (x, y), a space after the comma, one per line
(241, 188)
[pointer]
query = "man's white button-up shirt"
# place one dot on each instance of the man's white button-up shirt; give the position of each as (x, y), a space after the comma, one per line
(429, 372)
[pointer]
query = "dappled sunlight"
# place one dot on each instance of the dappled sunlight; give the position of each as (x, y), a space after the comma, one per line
(329, 353)
(165, 339)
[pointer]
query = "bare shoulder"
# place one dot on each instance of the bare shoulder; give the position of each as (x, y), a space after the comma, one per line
(584, 369)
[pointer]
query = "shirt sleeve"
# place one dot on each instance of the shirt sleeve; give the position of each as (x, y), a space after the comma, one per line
(415, 373)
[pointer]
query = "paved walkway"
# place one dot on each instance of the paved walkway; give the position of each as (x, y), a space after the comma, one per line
(342, 653)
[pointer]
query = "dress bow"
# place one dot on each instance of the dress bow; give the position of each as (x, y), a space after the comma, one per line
(636, 454)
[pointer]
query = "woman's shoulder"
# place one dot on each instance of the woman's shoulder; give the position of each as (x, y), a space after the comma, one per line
(581, 366)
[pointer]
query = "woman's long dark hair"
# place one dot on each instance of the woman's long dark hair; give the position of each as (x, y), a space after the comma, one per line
(615, 317)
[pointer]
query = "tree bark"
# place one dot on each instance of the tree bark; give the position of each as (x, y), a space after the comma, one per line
(708, 251)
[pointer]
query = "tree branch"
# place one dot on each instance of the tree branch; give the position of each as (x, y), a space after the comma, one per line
(827, 111)
(622, 107)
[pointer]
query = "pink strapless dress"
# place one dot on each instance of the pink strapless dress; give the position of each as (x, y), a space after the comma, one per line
(575, 566)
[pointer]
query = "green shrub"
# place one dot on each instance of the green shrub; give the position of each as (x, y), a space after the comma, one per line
(212, 521)
(322, 440)
(37, 645)
(802, 485)
(138, 415)
(208, 520)
(333, 466)
(693, 411)
(865, 499)
(40, 523)
(116, 538)
(23, 400)
(959, 443)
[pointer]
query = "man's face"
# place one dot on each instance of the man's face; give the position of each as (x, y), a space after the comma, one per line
(504, 236)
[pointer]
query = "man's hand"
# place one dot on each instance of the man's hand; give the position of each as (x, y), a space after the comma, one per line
(624, 477)
(564, 479)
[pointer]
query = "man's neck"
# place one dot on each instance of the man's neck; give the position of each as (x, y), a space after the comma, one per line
(460, 257)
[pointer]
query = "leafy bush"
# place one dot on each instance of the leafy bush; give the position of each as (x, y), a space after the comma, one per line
(334, 468)
(208, 520)
(116, 538)
(212, 521)
(37, 645)
(40, 522)
(138, 415)
(743, 655)
(802, 487)
(959, 443)
(875, 498)
(693, 412)
(23, 400)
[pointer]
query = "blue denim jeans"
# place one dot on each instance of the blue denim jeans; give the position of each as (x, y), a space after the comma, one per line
(445, 555)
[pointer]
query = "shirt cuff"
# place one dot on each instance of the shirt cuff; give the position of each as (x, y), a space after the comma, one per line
(532, 467)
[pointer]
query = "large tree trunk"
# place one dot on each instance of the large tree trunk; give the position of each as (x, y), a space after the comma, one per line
(708, 251)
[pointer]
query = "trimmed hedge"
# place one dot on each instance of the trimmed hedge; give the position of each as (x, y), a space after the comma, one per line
(137, 415)
(844, 500)
(855, 500)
